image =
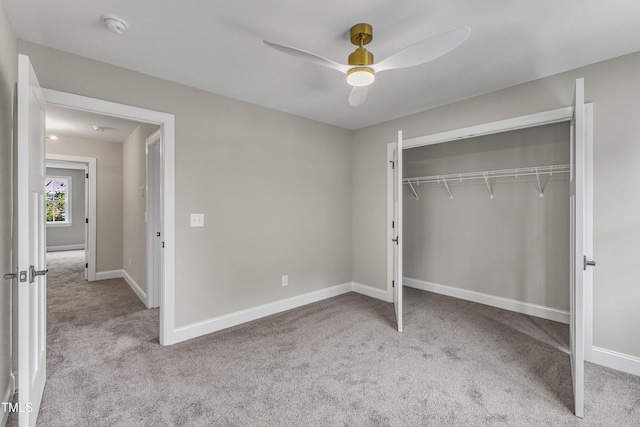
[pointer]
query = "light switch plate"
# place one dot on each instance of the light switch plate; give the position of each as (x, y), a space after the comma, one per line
(197, 220)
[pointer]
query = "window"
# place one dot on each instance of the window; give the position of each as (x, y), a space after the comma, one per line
(58, 200)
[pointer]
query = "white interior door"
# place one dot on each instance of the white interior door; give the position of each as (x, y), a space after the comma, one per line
(397, 228)
(578, 261)
(32, 301)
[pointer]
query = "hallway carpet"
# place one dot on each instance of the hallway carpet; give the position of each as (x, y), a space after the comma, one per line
(335, 362)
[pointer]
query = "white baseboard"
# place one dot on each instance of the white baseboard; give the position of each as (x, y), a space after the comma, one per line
(371, 292)
(65, 248)
(494, 301)
(7, 396)
(614, 360)
(194, 330)
(117, 274)
(111, 274)
(136, 288)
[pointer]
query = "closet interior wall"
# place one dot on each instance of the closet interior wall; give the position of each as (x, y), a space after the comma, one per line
(514, 245)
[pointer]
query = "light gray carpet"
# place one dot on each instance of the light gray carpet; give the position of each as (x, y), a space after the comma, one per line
(336, 362)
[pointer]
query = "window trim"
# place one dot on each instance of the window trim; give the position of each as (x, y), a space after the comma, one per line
(68, 221)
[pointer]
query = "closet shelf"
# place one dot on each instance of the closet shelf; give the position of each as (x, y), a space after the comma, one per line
(486, 176)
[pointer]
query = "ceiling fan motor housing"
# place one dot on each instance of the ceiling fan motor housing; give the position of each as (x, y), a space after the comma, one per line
(361, 34)
(361, 56)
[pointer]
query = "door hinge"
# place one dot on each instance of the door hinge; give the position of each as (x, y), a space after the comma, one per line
(586, 263)
(163, 244)
(87, 175)
(393, 224)
(393, 164)
(86, 265)
(86, 220)
(393, 283)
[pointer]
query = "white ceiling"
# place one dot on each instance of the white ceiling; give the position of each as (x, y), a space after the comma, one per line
(66, 122)
(217, 46)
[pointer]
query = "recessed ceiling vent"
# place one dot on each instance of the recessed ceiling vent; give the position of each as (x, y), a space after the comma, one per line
(115, 24)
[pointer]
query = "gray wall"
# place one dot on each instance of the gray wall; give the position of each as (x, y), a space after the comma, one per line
(614, 88)
(515, 245)
(69, 235)
(275, 188)
(109, 194)
(8, 78)
(134, 245)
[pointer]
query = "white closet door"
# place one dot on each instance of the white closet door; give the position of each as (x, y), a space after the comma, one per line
(397, 220)
(578, 261)
(32, 292)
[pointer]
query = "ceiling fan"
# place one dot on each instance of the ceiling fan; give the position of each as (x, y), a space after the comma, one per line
(361, 70)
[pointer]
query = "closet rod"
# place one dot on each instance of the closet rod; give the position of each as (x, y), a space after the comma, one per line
(485, 175)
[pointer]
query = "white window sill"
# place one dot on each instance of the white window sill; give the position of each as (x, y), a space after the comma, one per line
(59, 224)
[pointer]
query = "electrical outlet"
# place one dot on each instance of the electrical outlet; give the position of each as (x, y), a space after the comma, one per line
(285, 280)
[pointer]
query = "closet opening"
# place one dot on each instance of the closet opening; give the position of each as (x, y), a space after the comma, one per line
(486, 219)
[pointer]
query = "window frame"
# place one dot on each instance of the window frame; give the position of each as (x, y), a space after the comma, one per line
(68, 200)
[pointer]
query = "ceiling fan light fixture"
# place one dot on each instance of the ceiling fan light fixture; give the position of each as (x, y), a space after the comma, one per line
(360, 76)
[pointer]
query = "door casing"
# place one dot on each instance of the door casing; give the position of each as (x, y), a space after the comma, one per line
(154, 219)
(166, 122)
(91, 212)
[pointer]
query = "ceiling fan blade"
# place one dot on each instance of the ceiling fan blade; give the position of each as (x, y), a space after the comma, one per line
(311, 57)
(358, 95)
(424, 51)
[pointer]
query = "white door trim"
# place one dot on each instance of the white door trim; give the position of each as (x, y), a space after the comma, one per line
(91, 214)
(587, 218)
(154, 284)
(538, 119)
(398, 277)
(390, 214)
(530, 120)
(167, 127)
